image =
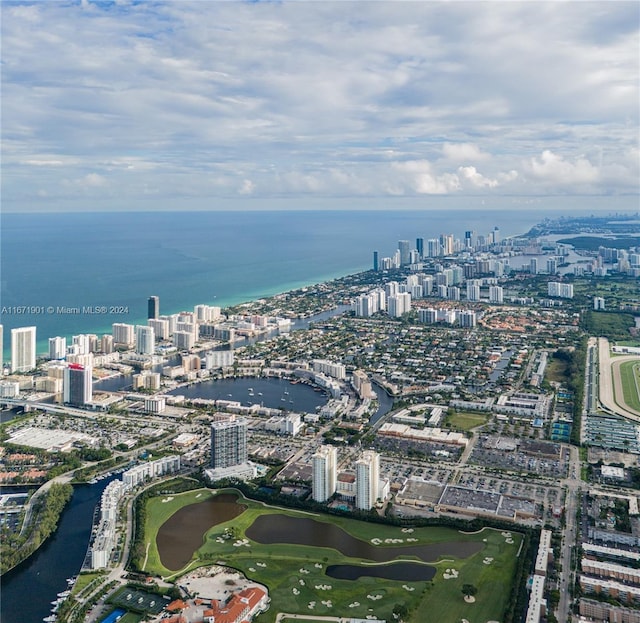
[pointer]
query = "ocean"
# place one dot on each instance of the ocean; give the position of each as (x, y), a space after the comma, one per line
(118, 259)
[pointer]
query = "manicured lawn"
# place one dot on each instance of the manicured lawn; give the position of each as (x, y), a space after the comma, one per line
(630, 376)
(466, 421)
(295, 574)
(84, 579)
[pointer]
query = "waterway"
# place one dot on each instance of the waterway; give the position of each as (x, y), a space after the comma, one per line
(268, 392)
(385, 403)
(29, 588)
(124, 381)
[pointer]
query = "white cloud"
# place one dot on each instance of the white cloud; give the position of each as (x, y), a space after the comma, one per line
(420, 177)
(464, 152)
(329, 98)
(247, 188)
(551, 167)
(477, 179)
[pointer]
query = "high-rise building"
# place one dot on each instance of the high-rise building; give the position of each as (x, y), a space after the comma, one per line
(77, 385)
(446, 242)
(57, 347)
(420, 246)
(429, 315)
(562, 290)
(145, 340)
(469, 239)
(160, 327)
(433, 247)
(473, 290)
(598, 303)
(467, 318)
(367, 479)
(203, 313)
(375, 260)
(391, 288)
(229, 442)
(183, 340)
(496, 294)
(123, 333)
(81, 343)
(552, 265)
(325, 471)
(153, 307)
(23, 349)
(106, 344)
(399, 304)
(404, 246)
(533, 265)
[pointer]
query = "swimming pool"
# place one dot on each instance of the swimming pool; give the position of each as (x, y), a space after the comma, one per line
(114, 616)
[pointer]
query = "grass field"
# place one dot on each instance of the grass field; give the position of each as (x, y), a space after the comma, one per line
(85, 579)
(295, 574)
(556, 370)
(466, 421)
(630, 376)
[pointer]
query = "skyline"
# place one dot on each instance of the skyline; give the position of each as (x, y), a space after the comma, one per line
(215, 105)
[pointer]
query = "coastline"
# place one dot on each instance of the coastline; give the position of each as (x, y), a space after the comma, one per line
(221, 258)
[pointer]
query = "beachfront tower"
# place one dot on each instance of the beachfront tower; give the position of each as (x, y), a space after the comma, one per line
(367, 480)
(57, 347)
(23, 349)
(325, 473)
(153, 307)
(145, 340)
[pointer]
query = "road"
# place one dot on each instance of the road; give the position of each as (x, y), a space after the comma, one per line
(569, 535)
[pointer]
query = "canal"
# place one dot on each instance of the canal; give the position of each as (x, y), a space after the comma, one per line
(29, 588)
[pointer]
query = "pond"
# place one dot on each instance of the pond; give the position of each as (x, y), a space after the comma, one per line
(270, 529)
(183, 533)
(401, 571)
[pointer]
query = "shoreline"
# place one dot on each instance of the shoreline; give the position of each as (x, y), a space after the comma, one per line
(42, 345)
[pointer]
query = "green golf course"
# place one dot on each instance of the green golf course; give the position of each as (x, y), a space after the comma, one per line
(295, 553)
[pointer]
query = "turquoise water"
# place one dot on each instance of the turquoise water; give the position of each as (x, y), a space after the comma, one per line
(118, 260)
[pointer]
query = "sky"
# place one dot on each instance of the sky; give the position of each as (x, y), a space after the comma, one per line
(129, 105)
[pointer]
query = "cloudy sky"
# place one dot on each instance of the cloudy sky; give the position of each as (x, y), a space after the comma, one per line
(211, 104)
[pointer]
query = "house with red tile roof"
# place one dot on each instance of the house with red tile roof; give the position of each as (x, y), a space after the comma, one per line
(240, 608)
(175, 605)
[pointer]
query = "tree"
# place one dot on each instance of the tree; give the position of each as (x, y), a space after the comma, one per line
(469, 590)
(400, 611)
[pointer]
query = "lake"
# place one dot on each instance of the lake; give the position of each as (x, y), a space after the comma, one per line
(184, 532)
